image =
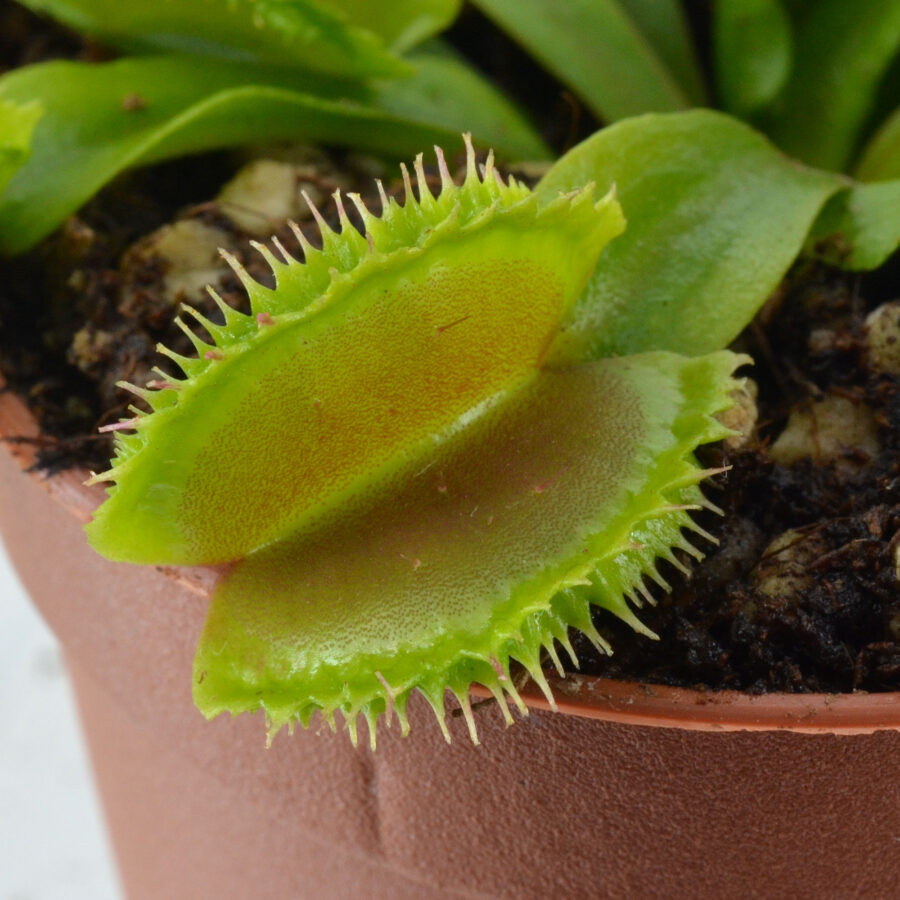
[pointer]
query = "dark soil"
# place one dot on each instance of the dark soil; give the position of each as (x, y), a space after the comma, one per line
(25, 39)
(833, 624)
(87, 308)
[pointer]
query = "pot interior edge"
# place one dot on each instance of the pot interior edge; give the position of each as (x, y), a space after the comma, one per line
(662, 706)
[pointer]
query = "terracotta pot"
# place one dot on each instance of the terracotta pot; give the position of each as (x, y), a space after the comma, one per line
(630, 790)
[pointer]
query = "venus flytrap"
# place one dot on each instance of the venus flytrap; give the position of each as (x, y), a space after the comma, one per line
(412, 485)
(437, 443)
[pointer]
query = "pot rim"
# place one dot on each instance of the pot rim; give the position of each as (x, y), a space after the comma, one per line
(586, 696)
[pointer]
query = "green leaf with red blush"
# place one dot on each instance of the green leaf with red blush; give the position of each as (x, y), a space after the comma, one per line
(411, 494)
(559, 495)
(356, 362)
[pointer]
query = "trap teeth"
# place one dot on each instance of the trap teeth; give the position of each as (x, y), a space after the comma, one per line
(500, 227)
(324, 227)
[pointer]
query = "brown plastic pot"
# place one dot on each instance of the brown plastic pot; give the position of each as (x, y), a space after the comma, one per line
(630, 790)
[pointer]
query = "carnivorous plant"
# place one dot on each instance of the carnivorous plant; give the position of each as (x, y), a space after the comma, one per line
(435, 444)
(442, 438)
(414, 480)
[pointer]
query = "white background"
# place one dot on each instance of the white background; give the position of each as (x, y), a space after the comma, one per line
(52, 840)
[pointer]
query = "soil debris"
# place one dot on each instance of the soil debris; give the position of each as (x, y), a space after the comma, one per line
(803, 592)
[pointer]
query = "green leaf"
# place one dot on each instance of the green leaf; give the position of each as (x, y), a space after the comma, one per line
(859, 228)
(752, 49)
(665, 26)
(595, 48)
(17, 123)
(90, 133)
(799, 9)
(362, 398)
(880, 159)
(557, 499)
(842, 51)
(446, 91)
(409, 495)
(716, 215)
(401, 24)
(314, 35)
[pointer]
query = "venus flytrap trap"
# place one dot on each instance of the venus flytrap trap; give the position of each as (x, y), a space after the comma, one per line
(413, 483)
(437, 442)
(454, 437)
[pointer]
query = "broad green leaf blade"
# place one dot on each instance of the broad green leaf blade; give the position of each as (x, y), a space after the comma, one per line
(716, 215)
(664, 24)
(880, 160)
(17, 122)
(557, 497)
(314, 35)
(859, 228)
(594, 47)
(401, 24)
(368, 353)
(752, 50)
(841, 52)
(89, 134)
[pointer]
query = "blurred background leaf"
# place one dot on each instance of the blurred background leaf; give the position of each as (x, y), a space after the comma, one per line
(317, 35)
(664, 24)
(842, 51)
(401, 24)
(100, 119)
(880, 159)
(599, 50)
(17, 122)
(752, 52)
(859, 227)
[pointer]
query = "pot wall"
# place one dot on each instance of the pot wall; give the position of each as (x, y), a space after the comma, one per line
(557, 805)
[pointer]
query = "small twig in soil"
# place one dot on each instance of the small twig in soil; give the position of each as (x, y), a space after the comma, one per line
(826, 559)
(765, 349)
